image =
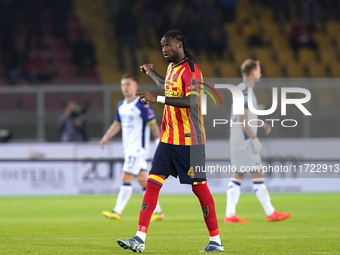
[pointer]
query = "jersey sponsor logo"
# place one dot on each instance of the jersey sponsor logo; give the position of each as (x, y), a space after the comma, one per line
(205, 211)
(172, 94)
(144, 207)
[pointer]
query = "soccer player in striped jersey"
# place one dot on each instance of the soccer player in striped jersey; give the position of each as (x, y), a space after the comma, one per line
(182, 141)
(245, 150)
(135, 120)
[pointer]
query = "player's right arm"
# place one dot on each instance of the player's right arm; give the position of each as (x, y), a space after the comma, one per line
(111, 132)
(148, 69)
(249, 132)
(246, 128)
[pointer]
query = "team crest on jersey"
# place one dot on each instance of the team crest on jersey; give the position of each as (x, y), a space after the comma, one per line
(205, 211)
(193, 85)
(144, 206)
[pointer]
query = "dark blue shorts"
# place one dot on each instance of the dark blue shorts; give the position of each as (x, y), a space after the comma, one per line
(179, 160)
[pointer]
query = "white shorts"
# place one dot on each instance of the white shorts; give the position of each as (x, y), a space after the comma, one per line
(246, 160)
(134, 164)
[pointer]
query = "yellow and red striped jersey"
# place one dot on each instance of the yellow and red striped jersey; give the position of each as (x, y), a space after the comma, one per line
(183, 126)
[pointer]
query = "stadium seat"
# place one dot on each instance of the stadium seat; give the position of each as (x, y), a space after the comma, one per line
(264, 55)
(245, 14)
(317, 70)
(333, 27)
(266, 15)
(329, 56)
(270, 28)
(324, 41)
(207, 67)
(233, 29)
(307, 56)
(285, 29)
(294, 70)
(271, 70)
(286, 56)
(250, 29)
(335, 67)
(241, 55)
(280, 43)
(238, 43)
(229, 70)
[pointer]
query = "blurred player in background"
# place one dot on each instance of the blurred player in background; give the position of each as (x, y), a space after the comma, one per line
(182, 139)
(135, 119)
(245, 150)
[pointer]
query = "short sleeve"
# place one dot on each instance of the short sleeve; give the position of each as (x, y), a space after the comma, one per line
(190, 81)
(245, 94)
(147, 113)
(117, 118)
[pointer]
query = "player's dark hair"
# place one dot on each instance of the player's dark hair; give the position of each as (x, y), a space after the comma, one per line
(248, 66)
(176, 34)
(127, 75)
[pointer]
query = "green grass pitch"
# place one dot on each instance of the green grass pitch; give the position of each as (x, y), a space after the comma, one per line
(74, 225)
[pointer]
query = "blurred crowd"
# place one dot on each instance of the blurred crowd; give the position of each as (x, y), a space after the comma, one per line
(42, 42)
(203, 22)
(38, 39)
(200, 21)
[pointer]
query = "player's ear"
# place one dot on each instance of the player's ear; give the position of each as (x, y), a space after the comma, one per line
(180, 44)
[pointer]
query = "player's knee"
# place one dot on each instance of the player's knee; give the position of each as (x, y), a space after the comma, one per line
(127, 178)
(142, 177)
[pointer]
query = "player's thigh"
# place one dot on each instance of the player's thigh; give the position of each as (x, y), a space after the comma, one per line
(189, 162)
(162, 163)
(245, 161)
(142, 177)
(134, 164)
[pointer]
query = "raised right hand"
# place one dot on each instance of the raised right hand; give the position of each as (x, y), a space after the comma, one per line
(145, 68)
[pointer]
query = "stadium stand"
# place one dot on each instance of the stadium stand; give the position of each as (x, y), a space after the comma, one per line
(49, 40)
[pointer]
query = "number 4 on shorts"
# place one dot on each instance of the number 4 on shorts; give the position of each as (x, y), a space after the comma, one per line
(191, 172)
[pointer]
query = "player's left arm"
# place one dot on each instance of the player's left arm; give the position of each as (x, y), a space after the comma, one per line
(267, 128)
(189, 101)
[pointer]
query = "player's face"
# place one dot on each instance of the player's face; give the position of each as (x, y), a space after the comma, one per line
(129, 87)
(170, 49)
(256, 73)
